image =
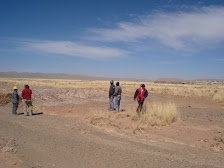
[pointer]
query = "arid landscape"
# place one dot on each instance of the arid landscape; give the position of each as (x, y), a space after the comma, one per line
(182, 125)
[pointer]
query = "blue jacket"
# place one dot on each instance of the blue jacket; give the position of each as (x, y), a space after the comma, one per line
(15, 97)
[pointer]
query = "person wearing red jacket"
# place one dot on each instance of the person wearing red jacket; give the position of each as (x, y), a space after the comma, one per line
(27, 103)
(140, 94)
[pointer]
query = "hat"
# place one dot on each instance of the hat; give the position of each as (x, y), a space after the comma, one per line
(142, 85)
(112, 81)
(15, 88)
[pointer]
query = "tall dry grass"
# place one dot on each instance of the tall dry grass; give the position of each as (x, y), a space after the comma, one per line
(219, 96)
(213, 91)
(155, 113)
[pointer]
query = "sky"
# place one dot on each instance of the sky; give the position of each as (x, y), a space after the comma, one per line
(147, 39)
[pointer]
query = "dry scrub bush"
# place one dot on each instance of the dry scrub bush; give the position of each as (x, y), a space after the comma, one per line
(131, 112)
(214, 91)
(155, 113)
(185, 90)
(219, 96)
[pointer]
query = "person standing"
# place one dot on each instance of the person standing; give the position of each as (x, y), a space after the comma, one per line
(140, 94)
(117, 93)
(111, 95)
(27, 103)
(15, 100)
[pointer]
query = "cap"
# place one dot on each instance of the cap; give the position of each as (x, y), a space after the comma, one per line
(15, 88)
(142, 85)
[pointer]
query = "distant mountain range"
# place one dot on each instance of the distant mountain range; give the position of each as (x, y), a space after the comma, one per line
(15, 74)
(177, 80)
(59, 76)
(48, 76)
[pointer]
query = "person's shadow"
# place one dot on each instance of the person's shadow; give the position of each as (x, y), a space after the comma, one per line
(38, 113)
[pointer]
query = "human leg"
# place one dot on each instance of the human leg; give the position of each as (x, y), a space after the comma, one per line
(24, 107)
(139, 106)
(30, 107)
(118, 99)
(139, 109)
(14, 108)
(111, 103)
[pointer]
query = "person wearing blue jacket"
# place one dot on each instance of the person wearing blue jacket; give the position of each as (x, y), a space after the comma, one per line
(15, 100)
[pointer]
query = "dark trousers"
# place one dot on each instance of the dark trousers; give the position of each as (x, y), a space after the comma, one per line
(140, 104)
(14, 108)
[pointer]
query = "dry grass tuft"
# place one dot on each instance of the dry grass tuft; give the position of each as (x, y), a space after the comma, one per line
(100, 119)
(155, 113)
(140, 128)
(219, 96)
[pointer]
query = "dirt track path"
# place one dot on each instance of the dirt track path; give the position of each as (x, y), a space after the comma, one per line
(57, 141)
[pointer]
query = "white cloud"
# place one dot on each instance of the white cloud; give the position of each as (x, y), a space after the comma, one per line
(72, 49)
(179, 30)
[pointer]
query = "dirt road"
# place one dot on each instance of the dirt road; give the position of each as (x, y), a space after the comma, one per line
(56, 141)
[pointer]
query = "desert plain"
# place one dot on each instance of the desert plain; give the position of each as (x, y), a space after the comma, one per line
(72, 126)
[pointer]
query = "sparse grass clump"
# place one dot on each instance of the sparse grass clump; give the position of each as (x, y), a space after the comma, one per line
(100, 119)
(155, 113)
(219, 96)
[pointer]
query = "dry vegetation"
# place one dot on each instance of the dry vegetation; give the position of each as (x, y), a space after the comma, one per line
(88, 100)
(5, 98)
(213, 91)
(155, 113)
(152, 114)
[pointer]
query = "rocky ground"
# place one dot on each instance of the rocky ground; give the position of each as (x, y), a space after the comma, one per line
(73, 128)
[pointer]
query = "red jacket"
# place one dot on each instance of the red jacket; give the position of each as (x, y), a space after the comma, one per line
(141, 95)
(26, 93)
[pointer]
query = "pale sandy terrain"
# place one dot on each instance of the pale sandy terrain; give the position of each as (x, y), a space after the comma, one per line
(77, 130)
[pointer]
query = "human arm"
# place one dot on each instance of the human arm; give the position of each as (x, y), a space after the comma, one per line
(146, 94)
(136, 93)
(22, 94)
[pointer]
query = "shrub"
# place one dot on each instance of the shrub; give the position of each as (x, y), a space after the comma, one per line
(219, 96)
(155, 113)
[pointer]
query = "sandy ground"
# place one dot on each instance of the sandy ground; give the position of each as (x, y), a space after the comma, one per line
(73, 128)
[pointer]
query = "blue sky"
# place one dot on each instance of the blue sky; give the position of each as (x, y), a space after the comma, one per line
(119, 38)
